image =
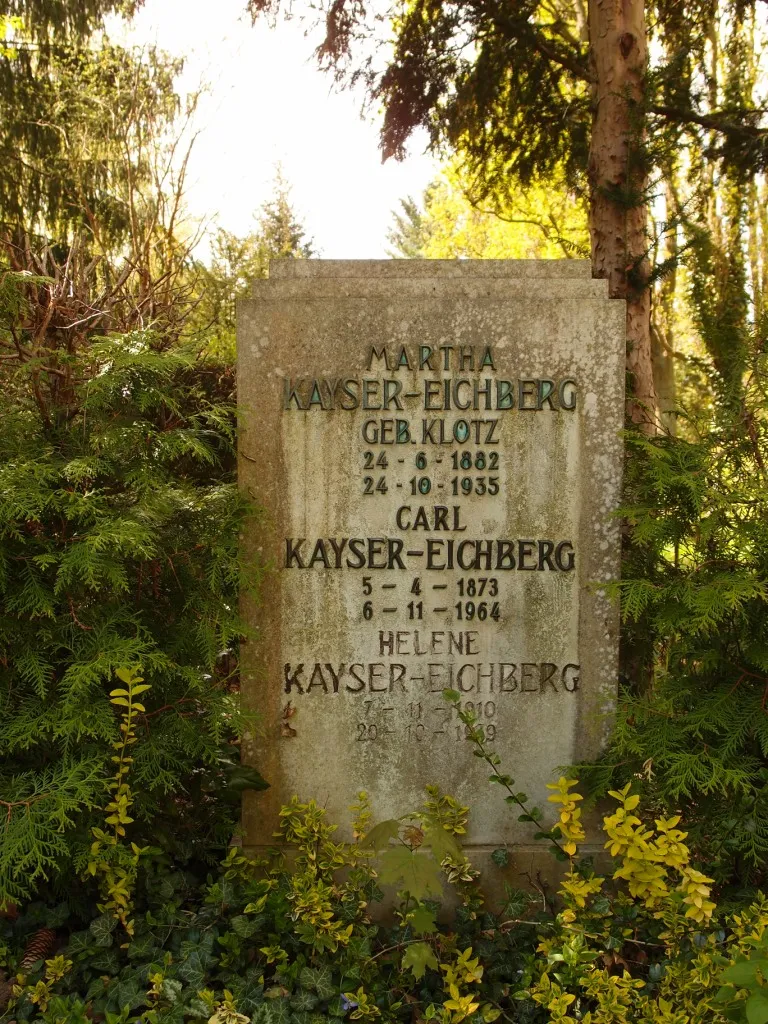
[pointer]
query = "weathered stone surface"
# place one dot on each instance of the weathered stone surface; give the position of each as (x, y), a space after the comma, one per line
(372, 601)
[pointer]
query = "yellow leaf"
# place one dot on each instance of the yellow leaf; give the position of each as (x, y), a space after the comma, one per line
(619, 794)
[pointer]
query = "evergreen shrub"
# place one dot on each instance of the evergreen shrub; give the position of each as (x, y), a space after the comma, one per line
(272, 940)
(692, 728)
(119, 521)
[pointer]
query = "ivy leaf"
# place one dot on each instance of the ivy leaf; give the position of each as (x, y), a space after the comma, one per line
(500, 857)
(277, 1011)
(101, 929)
(379, 836)
(126, 993)
(58, 916)
(105, 961)
(422, 920)
(244, 926)
(418, 957)
(80, 945)
(419, 874)
(249, 993)
(336, 1008)
(304, 1000)
(192, 970)
(172, 989)
(359, 947)
(96, 989)
(320, 979)
(199, 1008)
(142, 948)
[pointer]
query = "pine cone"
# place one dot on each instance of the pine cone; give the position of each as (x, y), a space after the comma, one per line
(40, 945)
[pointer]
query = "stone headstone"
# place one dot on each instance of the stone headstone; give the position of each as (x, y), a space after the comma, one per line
(435, 449)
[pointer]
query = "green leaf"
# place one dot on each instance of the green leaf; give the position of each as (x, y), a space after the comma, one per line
(489, 1013)
(243, 926)
(422, 920)
(725, 994)
(442, 843)
(304, 1000)
(126, 993)
(418, 957)
(80, 945)
(243, 777)
(336, 1008)
(359, 947)
(500, 857)
(757, 1008)
(743, 973)
(320, 979)
(101, 929)
(734, 1013)
(410, 870)
(379, 836)
(172, 989)
(105, 961)
(199, 1008)
(143, 948)
(502, 780)
(276, 1011)
(452, 696)
(192, 969)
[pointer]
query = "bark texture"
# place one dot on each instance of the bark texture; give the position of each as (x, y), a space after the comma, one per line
(617, 177)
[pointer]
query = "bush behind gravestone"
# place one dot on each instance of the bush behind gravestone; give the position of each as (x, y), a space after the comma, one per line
(692, 727)
(119, 519)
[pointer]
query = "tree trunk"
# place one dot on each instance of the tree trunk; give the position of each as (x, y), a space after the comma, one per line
(617, 177)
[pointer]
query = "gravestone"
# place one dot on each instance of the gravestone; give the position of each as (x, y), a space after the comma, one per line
(434, 447)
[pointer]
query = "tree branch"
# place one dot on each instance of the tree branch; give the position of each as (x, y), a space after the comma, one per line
(713, 122)
(566, 61)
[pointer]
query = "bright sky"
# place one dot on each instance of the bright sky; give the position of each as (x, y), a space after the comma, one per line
(268, 104)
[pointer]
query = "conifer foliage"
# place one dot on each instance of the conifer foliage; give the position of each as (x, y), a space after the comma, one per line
(71, 105)
(695, 603)
(119, 519)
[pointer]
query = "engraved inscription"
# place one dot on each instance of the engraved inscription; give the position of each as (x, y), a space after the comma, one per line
(431, 467)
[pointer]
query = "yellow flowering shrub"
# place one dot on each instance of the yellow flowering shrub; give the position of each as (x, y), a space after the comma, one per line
(646, 946)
